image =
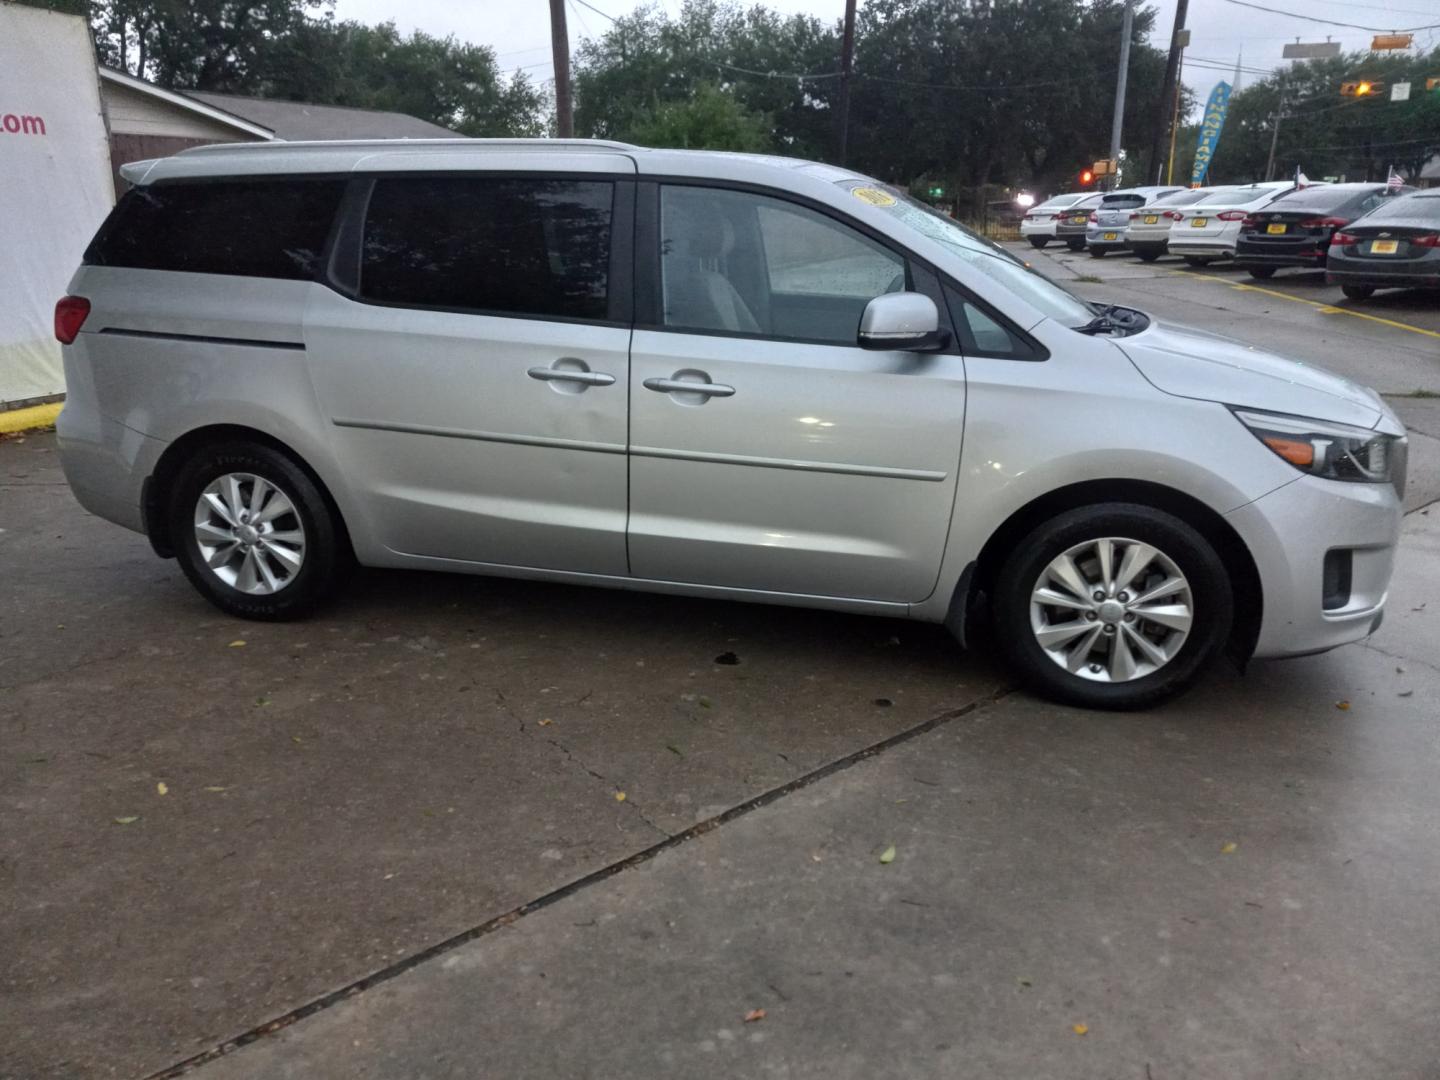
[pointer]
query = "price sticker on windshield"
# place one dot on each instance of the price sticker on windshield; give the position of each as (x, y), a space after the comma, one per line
(873, 196)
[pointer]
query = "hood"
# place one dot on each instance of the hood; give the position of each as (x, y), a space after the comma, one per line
(1193, 363)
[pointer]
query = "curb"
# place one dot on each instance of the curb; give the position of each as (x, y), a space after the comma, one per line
(37, 416)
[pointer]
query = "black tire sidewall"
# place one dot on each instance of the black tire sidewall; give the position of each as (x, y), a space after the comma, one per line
(1262, 273)
(1038, 241)
(1197, 559)
(323, 557)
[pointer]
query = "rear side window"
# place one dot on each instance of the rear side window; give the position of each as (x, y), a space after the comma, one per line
(245, 228)
(507, 246)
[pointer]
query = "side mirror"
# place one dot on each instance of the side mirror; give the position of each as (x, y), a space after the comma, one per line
(903, 320)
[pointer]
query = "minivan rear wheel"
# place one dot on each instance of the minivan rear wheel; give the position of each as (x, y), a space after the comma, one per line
(1113, 606)
(253, 532)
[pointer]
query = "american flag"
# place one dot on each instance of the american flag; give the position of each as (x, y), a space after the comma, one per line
(1394, 182)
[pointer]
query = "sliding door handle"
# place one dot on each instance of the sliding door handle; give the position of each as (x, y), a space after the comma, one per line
(681, 386)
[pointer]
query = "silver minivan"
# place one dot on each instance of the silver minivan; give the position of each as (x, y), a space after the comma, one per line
(711, 374)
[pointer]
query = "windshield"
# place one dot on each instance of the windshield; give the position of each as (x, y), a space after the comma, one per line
(1419, 210)
(985, 255)
(1184, 198)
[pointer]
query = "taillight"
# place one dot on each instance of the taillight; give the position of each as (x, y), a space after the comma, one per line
(1249, 223)
(1323, 223)
(1431, 240)
(1094, 217)
(1174, 215)
(70, 313)
(1343, 238)
(1058, 217)
(1231, 215)
(1134, 217)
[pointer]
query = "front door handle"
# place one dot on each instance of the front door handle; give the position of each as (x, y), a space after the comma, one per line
(584, 378)
(680, 386)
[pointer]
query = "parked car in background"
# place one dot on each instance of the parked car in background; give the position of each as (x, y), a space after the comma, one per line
(1208, 231)
(1038, 224)
(1106, 226)
(1071, 227)
(1295, 229)
(719, 375)
(1395, 246)
(1148, 234)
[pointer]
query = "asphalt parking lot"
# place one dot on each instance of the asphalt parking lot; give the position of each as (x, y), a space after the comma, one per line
(460, 827)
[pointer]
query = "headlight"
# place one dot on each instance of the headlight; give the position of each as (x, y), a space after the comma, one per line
(1334, 451)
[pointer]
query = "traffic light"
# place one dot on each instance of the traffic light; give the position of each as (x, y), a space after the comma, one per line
(1362, 88)
(937, 192)
(1086, 177)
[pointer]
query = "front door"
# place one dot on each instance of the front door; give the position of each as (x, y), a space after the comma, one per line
(476, 380)
(768, 451)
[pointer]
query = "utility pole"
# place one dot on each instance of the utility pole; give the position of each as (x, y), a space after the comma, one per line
(847, 63)
(560, 50)
(1275, 136)
(1171, 92)
(1174, 123)
(1119, 119)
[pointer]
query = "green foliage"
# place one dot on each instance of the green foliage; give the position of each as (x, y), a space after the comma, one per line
(1329, 135)
(712, 119)
(649, 60)
(281, 49)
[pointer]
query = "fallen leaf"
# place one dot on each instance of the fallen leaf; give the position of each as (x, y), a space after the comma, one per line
(884, 702)
(262, 701)
(162, 788)
(1342, 705)
(296, 739)
(888, 855)
(1229, 849)
(704, 703)
(754, 1015)
(728, 658)
(127, 820)
(674, 750)
(545, 723)
(619, 796)
(1024, 982)
(1080, 1029)
(215, 787)
(1406, 693)
(236, 644)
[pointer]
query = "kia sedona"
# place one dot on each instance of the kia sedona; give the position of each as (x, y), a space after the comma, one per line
(1295, 230)
(1395, 246)
(707, 374)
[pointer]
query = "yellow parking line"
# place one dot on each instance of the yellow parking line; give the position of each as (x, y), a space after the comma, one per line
(1323, 308)
(36, 416)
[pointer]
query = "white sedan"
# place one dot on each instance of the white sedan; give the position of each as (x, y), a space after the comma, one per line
(1038, 224)
(1149, 233)
(1208, 230)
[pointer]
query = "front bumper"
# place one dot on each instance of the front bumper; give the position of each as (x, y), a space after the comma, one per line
(1289, 533)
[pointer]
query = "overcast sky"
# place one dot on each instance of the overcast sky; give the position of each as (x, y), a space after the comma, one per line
(518, 30)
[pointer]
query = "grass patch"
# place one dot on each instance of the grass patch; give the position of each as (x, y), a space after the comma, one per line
(1419, 394)
(1090, 279)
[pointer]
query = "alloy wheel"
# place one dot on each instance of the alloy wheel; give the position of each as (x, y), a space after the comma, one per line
(249, 533)
(1111, 609)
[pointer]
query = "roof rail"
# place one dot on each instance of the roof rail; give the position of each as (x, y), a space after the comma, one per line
(279, 145)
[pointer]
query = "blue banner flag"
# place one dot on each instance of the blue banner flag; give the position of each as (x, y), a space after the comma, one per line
(1210, 127)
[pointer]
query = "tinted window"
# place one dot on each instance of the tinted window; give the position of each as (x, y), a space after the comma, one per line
(1184, 198)
(1122, 202)
(1409, 209)
(742, 263)
(525, 247)
(250, 228)
(1320, 199)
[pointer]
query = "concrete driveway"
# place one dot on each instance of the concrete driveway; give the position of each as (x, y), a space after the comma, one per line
(391, 841)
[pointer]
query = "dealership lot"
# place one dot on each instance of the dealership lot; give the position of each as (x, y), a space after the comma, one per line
(417, 796)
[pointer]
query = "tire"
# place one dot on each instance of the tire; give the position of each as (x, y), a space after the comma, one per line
(1176, 657)
(1075, 245)
(1038, 241)
(1197, 260)
(1261, 273)
(313, 534)
(1148, 256)
(1097, 253)
(1358, 292)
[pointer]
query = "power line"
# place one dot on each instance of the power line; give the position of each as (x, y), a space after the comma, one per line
(1332, 22)
(596, 10)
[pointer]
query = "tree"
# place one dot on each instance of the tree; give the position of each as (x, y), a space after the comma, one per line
(711, 119)
(648, 60)
(1326, 134)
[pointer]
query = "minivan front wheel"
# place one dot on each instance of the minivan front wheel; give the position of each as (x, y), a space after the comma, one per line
(253, 533)
(1115, 606)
